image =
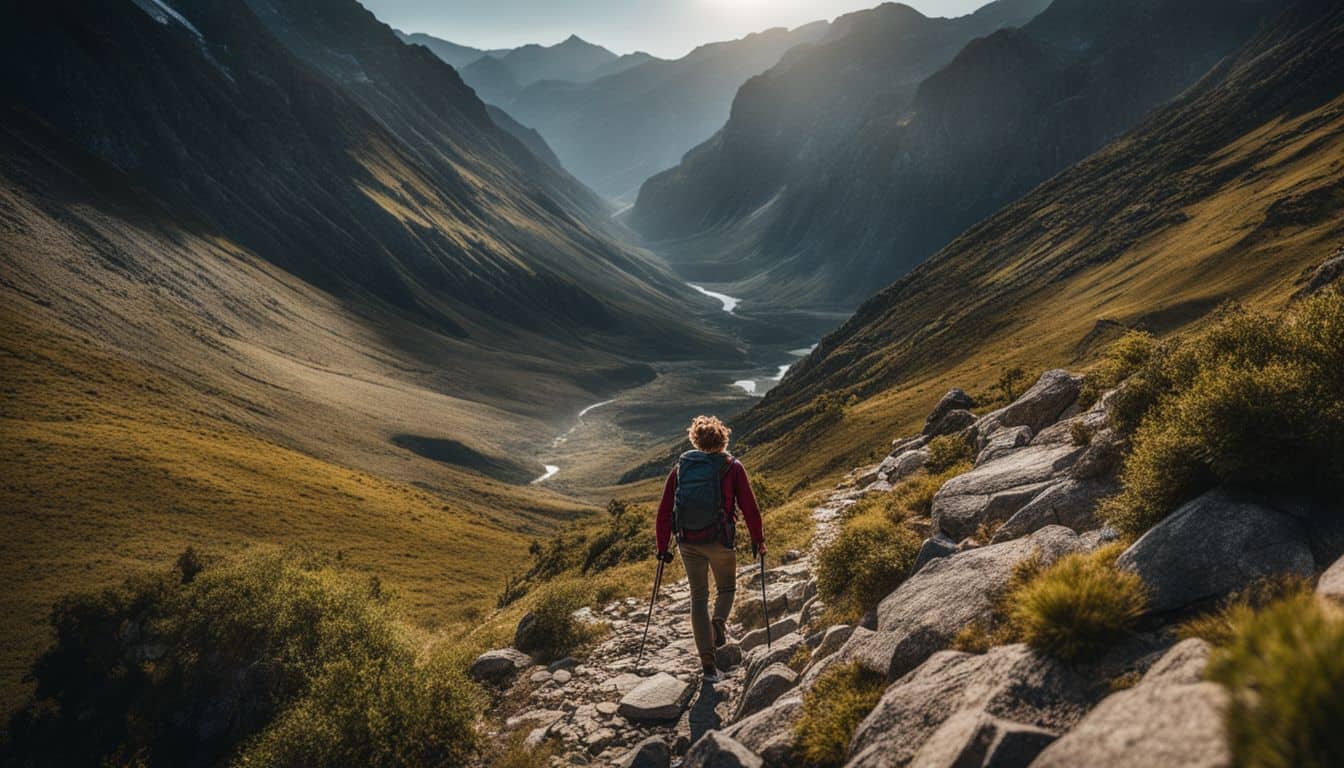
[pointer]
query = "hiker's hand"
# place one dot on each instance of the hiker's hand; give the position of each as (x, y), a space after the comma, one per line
(665, 556)
(758, 549)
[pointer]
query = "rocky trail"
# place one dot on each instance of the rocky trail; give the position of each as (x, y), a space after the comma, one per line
(1041, 465)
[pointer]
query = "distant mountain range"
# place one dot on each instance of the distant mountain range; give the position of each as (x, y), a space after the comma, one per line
(1234, 191)
(848, 164)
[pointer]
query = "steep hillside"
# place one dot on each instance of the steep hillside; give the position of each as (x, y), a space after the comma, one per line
(1233, 192)
(617, 131)
(251, 297)
(909, 169)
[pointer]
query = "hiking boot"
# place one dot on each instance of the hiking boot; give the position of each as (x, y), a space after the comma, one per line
(720, 633)
(711, 673)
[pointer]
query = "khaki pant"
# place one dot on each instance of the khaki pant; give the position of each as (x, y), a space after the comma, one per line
(699, 558)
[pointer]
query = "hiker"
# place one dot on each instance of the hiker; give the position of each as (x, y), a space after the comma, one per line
(700, 503)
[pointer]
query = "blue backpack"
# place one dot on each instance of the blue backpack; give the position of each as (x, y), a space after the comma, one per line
(698, 504)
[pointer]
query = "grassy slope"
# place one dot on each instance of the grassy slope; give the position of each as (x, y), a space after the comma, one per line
(1230, 194)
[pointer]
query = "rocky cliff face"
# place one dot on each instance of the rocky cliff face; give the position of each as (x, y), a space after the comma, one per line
(911, 167)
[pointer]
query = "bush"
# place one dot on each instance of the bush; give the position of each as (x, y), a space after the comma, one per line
(1253, 403)
(555, 632)
(832, 710)
(1219, 625)
(869, 558)
(1284, 670)
(1129, 354)
(1077, 607)
(1010, 383)
(947, 451)
(625, 539)
(270, 659)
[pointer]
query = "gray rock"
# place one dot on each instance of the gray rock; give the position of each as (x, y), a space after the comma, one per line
(649, 753)
(950, 423)
(769, 733)
(955, 399)
(1171, 717)
(1042, 404)
(562, 676)
(903, 444)
(599, 740)
(498, 665)
(606, 708)
(779, 651)
(1003, 442)
(790, 555)
(1331, 585)
(1070, 503)
(540, 676)
(973, 738)
(524, 635)
(1216, 544)
(812, 610)
(933, 548)
(832, 640)
(1009, 682)
(778, 628)
(1102, 457)
(927, 611)
(897, 468)
(773, 681)
(728, 655)
(659, 698)
(568, 663)
(995, 491)
(718, 750)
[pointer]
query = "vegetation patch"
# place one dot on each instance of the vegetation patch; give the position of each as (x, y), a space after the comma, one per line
(915, 495)
(832, 711)
(555, 632)
(1283, 667)
(1079, 606)
(1252, 403)
(1219, 625)
(947, 451)
(870, 557)
(263, 659)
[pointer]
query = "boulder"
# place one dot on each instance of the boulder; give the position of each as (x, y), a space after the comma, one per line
(728, 655)
(717, 750)
(780, 650)
(934, 547)
(1010, 683)
(769, 733)
(659, 698)
(950, 423)
(1102, 457)
(778, 628)
(1221, 542)
(954, 400)
(902, 444)
(1070, 503)
(831, 641)
(927, 611)
(649, 753)
(498, 665)
(524, 634)
(773, 681)
(996, 490)
(1003, 442)
(1331, 585)
(1042, 404)
(973, 738)
(1171, 717)
(896, 468)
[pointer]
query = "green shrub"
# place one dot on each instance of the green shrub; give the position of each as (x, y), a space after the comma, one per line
(1129, 354)
(624, 539)
(1254, 403)
(1220, 624)
(265, 659)
(947, 451)
(1284, 670)
(1077, 607)
(980, 636)
(556, 633)
(868, 559)
(1010, 383)
(832, 710)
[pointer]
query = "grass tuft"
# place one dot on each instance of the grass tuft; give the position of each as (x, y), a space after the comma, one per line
(947, 451)
(1079, 606)
(832, 710)
(1283, 667)
(556, 633)
(869, 558)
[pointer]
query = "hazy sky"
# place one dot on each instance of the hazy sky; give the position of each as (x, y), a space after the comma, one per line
(668, 28)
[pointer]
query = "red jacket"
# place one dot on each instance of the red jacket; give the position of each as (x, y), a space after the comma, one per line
(736, 495)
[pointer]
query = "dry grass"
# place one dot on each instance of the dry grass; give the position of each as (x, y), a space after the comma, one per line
(832, 710)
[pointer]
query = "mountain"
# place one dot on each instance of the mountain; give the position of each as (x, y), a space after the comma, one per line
(868, 187)
(499, 75)
(529, 138)
(616, 131)
(1235, 191)
(270, 276)
(456, 56)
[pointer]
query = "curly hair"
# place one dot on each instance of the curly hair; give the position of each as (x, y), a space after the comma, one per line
(708, 434)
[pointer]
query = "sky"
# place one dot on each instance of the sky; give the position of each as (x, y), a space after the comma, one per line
(667, 28)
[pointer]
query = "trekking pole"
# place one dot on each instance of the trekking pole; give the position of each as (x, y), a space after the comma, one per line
(657, 580)
(765, 608)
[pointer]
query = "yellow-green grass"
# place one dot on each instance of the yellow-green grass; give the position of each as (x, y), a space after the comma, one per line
(832, 711)
(113, 468)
